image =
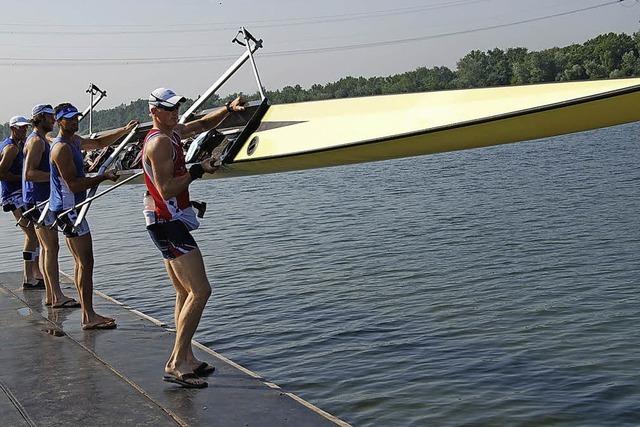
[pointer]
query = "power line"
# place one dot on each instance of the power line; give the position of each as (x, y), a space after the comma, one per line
(214, 27)
(192, 59)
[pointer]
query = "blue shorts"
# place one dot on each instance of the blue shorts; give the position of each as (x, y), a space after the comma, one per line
(172, 238)
(12, 203)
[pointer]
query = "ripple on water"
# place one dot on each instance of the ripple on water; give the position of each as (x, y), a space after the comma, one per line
(484, 287)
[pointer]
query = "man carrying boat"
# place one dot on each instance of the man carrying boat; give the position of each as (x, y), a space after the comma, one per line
(35, 193)
(170, 218)
(11, 159)
(68, 188)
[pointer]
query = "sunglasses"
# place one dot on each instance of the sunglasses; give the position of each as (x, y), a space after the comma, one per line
(164, 107)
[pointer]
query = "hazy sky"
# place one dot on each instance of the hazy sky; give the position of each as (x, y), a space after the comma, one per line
(39, 37)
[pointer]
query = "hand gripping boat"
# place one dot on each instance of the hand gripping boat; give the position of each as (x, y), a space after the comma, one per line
(276, 138)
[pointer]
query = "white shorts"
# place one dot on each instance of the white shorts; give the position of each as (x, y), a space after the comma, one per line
(66, 224)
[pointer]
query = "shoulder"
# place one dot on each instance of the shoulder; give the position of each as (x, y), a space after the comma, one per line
(33, 140)
(9, 148)
(158, 142)
(59, 148)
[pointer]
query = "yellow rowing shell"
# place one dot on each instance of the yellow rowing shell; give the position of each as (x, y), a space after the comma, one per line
(356, 130)
(344, 131)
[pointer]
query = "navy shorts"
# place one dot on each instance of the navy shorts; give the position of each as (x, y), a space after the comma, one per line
(172, 238)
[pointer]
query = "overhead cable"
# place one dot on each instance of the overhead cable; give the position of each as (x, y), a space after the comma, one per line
(191, 59)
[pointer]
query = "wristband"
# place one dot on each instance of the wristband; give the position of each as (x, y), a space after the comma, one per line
(228, 106)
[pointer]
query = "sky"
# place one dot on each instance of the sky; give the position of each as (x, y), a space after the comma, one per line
(50, 51)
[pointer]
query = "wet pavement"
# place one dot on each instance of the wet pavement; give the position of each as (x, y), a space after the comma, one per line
(54, 373)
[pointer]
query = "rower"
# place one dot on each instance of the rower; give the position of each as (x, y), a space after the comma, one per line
(68, 187)
(35, 192)
(170, 219)
(11, 159)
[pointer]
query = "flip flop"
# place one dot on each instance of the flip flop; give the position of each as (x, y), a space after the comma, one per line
(183, 380)
(204, 369)
(101, 325)
(70, 303)
(33, 286)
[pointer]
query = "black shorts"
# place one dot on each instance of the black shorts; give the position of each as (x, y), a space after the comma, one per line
(172, 238)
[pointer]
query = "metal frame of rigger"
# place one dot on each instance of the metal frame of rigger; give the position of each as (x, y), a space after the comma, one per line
(252, 45)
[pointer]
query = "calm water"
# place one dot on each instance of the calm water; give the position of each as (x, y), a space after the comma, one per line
(489, 287)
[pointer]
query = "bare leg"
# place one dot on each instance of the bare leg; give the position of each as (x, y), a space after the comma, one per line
(31, 272)
(189, 271)
(50, 247)
(181, 296)
(82, 250)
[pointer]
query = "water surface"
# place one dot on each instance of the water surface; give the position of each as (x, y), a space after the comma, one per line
(496, 286)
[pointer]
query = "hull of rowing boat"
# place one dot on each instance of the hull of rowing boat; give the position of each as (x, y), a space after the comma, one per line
(356, 130)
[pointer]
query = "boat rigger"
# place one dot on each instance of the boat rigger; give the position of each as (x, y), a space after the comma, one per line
(276, 138)
(269, 138)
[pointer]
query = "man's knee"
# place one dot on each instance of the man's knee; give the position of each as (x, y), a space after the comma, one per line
(86, 261)
(181, 292)
(203, 292)
(51, 244)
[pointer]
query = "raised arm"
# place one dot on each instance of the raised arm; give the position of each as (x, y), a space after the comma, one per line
(8, 155)
(62, 157)
(107, 138)
(33, 153)
(211, 120)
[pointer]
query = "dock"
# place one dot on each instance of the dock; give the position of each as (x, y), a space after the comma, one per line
(54, 373)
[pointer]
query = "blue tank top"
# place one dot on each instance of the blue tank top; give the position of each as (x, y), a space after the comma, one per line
(61, 197)
(10, 189)
(36, 192)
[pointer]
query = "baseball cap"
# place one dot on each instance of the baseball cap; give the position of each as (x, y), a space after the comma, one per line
(19, 121)
(165, 97)
(42, 108)
(68, 112)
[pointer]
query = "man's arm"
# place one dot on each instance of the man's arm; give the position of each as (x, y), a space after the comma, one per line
(63, 158)
(34, 150)
(159, 152)
(8, 156)
(107, 138)
(211, 120)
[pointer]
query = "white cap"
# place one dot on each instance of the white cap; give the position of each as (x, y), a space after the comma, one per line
(165, 97)
(19, 121)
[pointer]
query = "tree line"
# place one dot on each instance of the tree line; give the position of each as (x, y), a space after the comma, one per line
(612, 55)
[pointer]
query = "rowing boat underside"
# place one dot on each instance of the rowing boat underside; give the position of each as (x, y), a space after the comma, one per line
(356, 130)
